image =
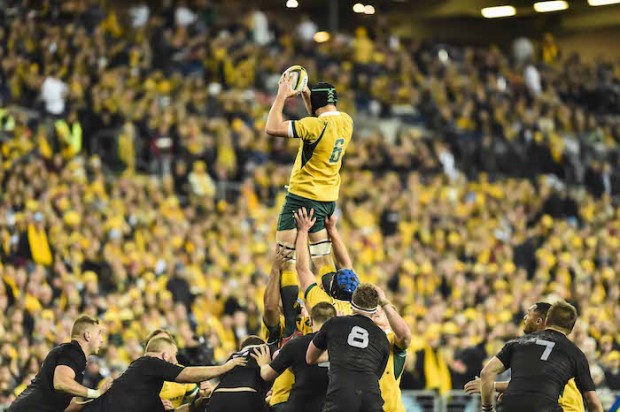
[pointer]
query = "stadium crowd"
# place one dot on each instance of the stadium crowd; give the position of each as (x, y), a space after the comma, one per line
(497, 192)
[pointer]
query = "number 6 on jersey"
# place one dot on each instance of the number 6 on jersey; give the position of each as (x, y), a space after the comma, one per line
(358, 338)
(337, 152)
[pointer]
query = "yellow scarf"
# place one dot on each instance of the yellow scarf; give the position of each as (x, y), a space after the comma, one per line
(436, 371)
(39, 246)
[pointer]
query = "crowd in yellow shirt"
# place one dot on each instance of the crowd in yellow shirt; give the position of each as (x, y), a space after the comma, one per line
(462, 257)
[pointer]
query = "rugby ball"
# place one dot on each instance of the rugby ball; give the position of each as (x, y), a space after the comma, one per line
(299, 77)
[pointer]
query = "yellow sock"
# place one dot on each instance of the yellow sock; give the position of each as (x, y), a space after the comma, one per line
(326, 268)
(288, 277)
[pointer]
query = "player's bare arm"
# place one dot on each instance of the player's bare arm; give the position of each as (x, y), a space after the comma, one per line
(75, 406)
(64, 381)
(263, 358)
(196, 374)
(593, 402)
(473, 387)
(305, 94)
(402, 333)
(343, 260)
(272, 291)
(487, 380)
(305, 220)
(276, 126)
(313, 355)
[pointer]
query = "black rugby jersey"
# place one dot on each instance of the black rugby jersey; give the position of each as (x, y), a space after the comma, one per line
(541, 365)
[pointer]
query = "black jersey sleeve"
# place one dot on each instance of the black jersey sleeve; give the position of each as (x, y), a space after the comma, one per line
(286, 356)
(583, 378)
(505, 355)
(320, 339)
(384, 362)
(71, 358)
(161, 369)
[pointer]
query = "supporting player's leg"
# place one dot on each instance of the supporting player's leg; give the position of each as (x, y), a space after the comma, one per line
(321, 252)
(289, 285)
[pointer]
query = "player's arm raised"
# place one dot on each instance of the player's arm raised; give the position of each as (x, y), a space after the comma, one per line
(304, 221)
(402, 333)
(272, 291)
(487, 380)
(64, 381)
(305, 94)
(343, 260)
(196, 374)
(276, 126)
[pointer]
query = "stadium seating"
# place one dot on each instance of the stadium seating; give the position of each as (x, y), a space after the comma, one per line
(138, 185)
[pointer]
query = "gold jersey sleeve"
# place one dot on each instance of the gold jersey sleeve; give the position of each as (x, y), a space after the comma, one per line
(324, 141)
(281, 389)
(272, 333)
(176, 392)
(571, 399)
(390, 381)
(314, 295)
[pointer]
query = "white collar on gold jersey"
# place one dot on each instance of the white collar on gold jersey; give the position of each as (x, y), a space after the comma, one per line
(332, 113)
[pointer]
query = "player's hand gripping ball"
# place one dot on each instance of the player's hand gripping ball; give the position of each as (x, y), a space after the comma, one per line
(298, 78)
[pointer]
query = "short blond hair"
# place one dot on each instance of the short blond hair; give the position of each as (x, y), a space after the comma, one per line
(159, 332)
(159, 344)
(562, 315)
(81, 324)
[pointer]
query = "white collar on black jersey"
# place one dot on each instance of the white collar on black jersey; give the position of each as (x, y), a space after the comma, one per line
(332, 113)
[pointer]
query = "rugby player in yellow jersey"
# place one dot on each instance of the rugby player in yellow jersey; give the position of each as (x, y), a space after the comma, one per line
(399, 335)
(273, 325)
(315, 179)
(338, 290)
(533, 321)
(336, 287)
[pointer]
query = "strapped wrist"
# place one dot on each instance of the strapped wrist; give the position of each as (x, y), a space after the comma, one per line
(93, 393)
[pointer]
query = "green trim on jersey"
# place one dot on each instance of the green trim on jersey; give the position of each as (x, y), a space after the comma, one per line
(309, 148)
(400, 356)
(308, 290)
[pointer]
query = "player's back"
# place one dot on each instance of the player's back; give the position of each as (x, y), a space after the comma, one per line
(358, 354)
(138, 388)
(325, 139)
(542, 363)
(358, 349)
(246, 377)
(241, 389)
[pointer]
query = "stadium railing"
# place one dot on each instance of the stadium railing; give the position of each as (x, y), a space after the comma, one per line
(459, 401)
(429, 401)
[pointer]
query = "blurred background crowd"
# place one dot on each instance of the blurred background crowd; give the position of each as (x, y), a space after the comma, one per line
(137, 183)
